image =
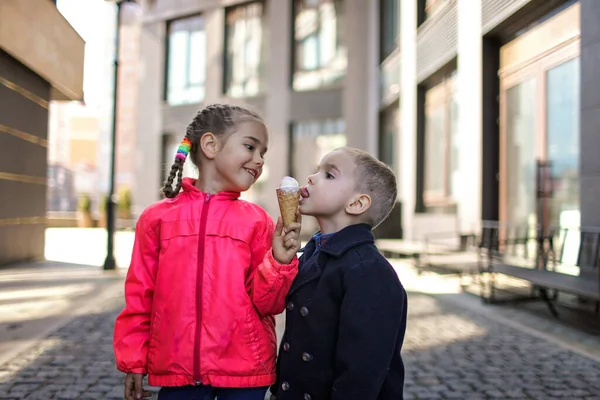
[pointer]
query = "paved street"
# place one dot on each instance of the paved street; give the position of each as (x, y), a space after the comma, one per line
(452, 353)
(455, 348)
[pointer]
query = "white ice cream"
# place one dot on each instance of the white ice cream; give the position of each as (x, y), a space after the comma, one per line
(288, 182)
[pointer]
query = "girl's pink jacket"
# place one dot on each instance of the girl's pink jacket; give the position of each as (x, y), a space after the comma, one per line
(201, 292)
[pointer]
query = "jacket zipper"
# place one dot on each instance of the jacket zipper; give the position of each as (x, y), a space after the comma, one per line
(200, 273)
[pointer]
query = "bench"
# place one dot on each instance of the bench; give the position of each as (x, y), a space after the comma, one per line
(399, 248)
(560, 260)
(452, 252)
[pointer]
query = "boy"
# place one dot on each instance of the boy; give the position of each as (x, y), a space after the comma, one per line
(346, 309)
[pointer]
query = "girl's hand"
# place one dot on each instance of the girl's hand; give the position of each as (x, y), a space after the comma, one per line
(134, 389)
(286, 241)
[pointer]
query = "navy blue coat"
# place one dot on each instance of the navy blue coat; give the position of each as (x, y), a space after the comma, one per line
(345, 324)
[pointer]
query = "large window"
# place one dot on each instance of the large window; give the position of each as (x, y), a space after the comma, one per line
(320, 51)
(539, 123)
(441, 143)
(244, 49)
(389, 27)
(186, 63)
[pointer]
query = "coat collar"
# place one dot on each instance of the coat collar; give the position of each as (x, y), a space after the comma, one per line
(189, 186)
(349, 237)
(338, 244)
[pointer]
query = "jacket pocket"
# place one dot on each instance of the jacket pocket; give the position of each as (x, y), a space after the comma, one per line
(233, 231)
(228, 246)
(177, 232)
(261, 339)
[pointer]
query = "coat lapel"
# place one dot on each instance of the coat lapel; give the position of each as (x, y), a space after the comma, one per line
(309, 268)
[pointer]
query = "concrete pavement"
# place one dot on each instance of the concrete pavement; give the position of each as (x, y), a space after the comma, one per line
(37, 298)
(455, 348)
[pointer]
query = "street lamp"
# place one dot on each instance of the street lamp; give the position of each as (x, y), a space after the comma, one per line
(110, 262)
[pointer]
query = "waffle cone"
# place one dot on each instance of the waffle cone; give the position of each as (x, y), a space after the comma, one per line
(288, 204)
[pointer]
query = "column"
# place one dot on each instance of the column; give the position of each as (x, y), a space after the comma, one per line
(361, 92)
(408, 114)
(469, 78)
(590, 113)
(277, 101)
(148, 166)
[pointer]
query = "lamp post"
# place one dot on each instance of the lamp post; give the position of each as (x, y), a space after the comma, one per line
(110, 262)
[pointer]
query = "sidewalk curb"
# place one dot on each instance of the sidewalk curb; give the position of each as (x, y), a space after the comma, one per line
(107, 292)
(489, 312)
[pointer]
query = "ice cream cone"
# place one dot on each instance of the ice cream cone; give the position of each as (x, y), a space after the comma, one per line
(288, 204)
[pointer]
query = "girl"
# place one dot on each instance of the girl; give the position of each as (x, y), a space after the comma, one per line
(208, 272)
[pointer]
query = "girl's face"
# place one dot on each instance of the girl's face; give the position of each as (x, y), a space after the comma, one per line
(240, 160)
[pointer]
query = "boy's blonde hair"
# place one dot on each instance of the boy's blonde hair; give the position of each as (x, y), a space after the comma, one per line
(377, 180)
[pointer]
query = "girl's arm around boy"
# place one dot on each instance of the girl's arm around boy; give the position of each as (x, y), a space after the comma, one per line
(275, 265)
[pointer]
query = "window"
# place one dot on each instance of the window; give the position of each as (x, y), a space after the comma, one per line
(389, 27)
(244, 45)
(310, 141)
(186, 68)
(389, 128)
(320, 52)
(540, 108)
(441, 143)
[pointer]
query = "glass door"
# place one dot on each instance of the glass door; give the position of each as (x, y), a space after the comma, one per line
(562, 135)
(539, 124)
(520, 154)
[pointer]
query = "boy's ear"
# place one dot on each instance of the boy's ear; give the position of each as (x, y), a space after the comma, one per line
(209, 145)
(359, 205)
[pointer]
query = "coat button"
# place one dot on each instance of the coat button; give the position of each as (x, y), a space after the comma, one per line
(286, 346)
(307, 357)
(285, 386)
(307, 396)
(304, 311)
(290, 306)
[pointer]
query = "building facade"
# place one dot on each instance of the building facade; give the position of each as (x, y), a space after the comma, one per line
(41, 59)
(80, 133)
(303, 65)
(498, 103)
(486, 109)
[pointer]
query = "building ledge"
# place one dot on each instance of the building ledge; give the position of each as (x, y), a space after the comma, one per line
(35, 33)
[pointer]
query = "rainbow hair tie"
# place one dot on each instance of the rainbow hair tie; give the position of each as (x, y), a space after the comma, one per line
(184, 149)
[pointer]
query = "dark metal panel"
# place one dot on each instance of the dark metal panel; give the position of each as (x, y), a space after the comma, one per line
(490, 152)
(23, 155)
(20, 243)
(21, 200)
(18, 156)
(437, 41)
(22, 76)
(20, 113)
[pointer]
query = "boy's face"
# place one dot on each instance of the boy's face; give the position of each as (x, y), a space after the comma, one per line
(331, 189)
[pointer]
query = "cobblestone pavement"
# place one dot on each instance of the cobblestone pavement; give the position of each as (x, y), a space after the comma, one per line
(451, 352)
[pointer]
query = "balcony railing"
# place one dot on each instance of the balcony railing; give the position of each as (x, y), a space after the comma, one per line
(389, 79)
